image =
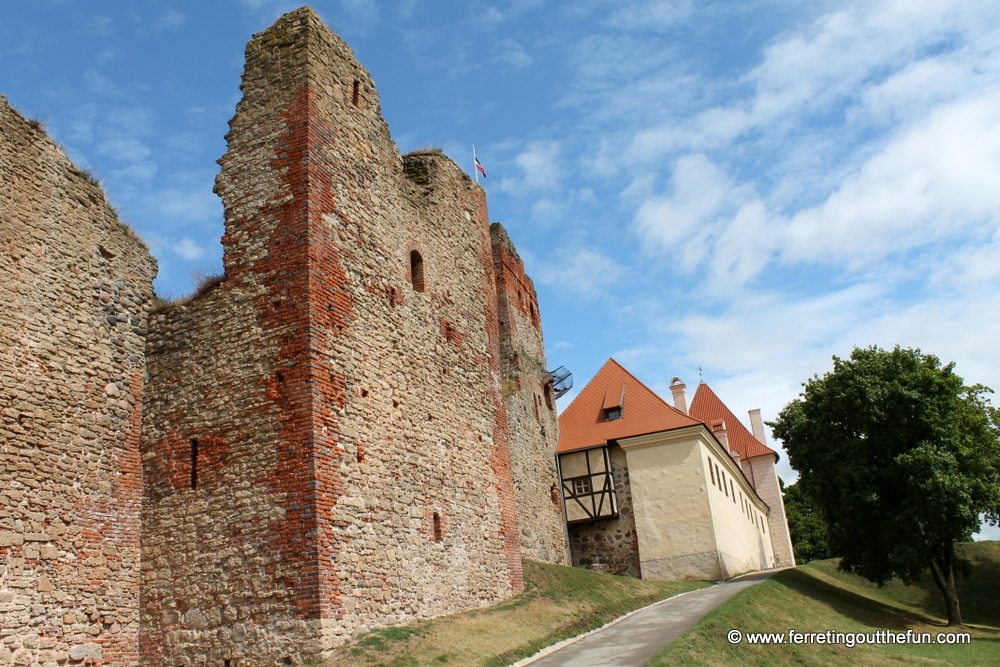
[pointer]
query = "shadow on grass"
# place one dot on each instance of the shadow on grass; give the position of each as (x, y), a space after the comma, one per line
(979, 594)
(852, 605)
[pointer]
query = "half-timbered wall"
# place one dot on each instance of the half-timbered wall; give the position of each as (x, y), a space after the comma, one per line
(588, 486)
(610, 544)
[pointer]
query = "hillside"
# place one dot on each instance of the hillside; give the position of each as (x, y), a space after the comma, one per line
(560, 602)
(816, 598)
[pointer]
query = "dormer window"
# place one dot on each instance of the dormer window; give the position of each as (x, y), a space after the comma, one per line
(614, 402)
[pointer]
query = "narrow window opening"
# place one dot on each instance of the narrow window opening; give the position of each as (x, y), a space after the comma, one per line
(194, 463)
(731, 488)
(438, 532)
(417, 271)
(548, 396)
(227, 663)
(281, 377)
(724, 486)
(356, 94)
(711, 471)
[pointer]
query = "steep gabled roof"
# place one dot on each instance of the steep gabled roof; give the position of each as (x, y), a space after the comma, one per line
(707, 407)
(584, 423)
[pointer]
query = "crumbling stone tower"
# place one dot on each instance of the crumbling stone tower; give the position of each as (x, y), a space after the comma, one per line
(75, 285)
(326, 445)
(530, 402)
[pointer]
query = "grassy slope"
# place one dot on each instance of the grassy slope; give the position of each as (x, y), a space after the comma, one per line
(559, 602)
(816, 598)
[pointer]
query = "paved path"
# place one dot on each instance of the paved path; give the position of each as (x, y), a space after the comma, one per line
(632, 641)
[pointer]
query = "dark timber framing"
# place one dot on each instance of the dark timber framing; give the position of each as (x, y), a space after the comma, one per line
(593, 492)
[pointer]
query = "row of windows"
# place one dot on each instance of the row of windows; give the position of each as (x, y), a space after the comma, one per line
(719, 480)
(726, 485)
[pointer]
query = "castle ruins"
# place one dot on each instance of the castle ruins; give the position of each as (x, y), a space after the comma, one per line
(353, 428)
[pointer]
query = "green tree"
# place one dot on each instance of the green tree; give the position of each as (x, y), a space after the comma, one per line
(807, 529)
(900, 459)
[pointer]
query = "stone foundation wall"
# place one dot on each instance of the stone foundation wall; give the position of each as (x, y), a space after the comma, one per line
(75, 285)
(610, 546)
(532, 420)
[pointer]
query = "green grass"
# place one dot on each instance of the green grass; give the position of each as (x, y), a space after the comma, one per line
(817, 598)
(559, 602)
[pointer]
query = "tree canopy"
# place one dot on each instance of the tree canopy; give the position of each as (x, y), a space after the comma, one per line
(900, 460)
(807, 529)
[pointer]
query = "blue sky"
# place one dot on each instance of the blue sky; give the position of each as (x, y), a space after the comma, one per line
(750, 187)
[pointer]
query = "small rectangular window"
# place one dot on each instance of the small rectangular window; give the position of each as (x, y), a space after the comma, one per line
(438, 530)
(582, 486)
(194, 463)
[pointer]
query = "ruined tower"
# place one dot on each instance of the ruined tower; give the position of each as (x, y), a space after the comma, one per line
(75, 284)
(326, 444)
(530, 401)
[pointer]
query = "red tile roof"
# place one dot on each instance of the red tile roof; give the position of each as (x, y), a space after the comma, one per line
(707, 407)
(583, 424)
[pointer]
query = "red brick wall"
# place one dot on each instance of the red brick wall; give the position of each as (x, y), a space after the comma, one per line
(532, 421)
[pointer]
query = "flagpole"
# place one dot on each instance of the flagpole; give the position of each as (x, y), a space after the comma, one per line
(474, 169)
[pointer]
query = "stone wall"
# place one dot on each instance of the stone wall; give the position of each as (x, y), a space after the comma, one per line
(339, 392)
(532, 421)
(75, 284)
(610, 546)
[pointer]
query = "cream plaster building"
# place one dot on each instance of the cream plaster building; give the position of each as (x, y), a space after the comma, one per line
(652, 491)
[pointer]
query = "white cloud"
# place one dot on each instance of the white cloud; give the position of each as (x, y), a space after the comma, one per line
(655, 15)
(100, 25)
(584, 272)
(125, 149)
(185, 206)
(492, 15)
(363, 14)
(169, 20)
(707, 224)
(513, 54)
(270, 8)
(935, 180)
(188, 249)
(539, 167)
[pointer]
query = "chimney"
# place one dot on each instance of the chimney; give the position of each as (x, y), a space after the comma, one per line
(718, 428)
(757, 424)
(680, 400)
